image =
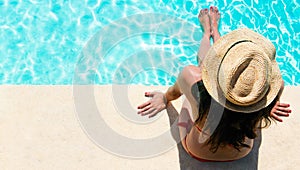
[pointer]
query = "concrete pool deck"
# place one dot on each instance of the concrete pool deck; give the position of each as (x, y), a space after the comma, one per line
(39, 129)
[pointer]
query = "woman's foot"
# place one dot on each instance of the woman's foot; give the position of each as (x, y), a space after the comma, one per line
(205, 22)
(214, 16)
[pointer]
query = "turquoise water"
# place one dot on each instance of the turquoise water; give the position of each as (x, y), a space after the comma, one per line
(41, 42)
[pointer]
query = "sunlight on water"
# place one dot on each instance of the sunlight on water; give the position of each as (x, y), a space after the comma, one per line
(41, 40)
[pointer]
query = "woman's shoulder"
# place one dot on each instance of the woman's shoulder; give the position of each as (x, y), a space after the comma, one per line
(191, 74)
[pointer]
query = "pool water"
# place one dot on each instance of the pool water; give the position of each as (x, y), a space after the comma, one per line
(66, 41)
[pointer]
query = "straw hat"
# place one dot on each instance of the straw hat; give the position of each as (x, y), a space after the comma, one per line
(240, 71)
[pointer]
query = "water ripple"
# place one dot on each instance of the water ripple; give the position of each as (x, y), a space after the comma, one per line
(41, 40)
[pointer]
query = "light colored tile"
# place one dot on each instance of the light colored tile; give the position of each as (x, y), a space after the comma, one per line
(39, 129)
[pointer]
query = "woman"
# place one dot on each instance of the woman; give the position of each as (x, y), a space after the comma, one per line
(236, 86)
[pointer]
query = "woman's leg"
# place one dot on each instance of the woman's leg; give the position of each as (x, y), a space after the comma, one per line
(214, 16)
(209, 21)
(205, 42)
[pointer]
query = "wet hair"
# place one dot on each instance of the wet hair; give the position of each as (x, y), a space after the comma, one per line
(233, 126)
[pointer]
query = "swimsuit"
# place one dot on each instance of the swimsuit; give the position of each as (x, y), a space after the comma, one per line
(184, 124)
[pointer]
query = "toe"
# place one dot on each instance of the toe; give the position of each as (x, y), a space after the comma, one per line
(200, 13)
(203, 12)
(216, 9)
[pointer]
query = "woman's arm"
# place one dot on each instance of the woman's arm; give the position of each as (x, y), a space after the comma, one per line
(159, 100)
(173, 92)
(280, 109)
(186, 78)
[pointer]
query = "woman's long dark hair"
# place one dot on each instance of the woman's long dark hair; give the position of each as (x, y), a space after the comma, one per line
(233, 126)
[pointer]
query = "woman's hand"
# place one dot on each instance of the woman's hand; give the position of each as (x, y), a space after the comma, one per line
(280, 109)
(157, 103)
